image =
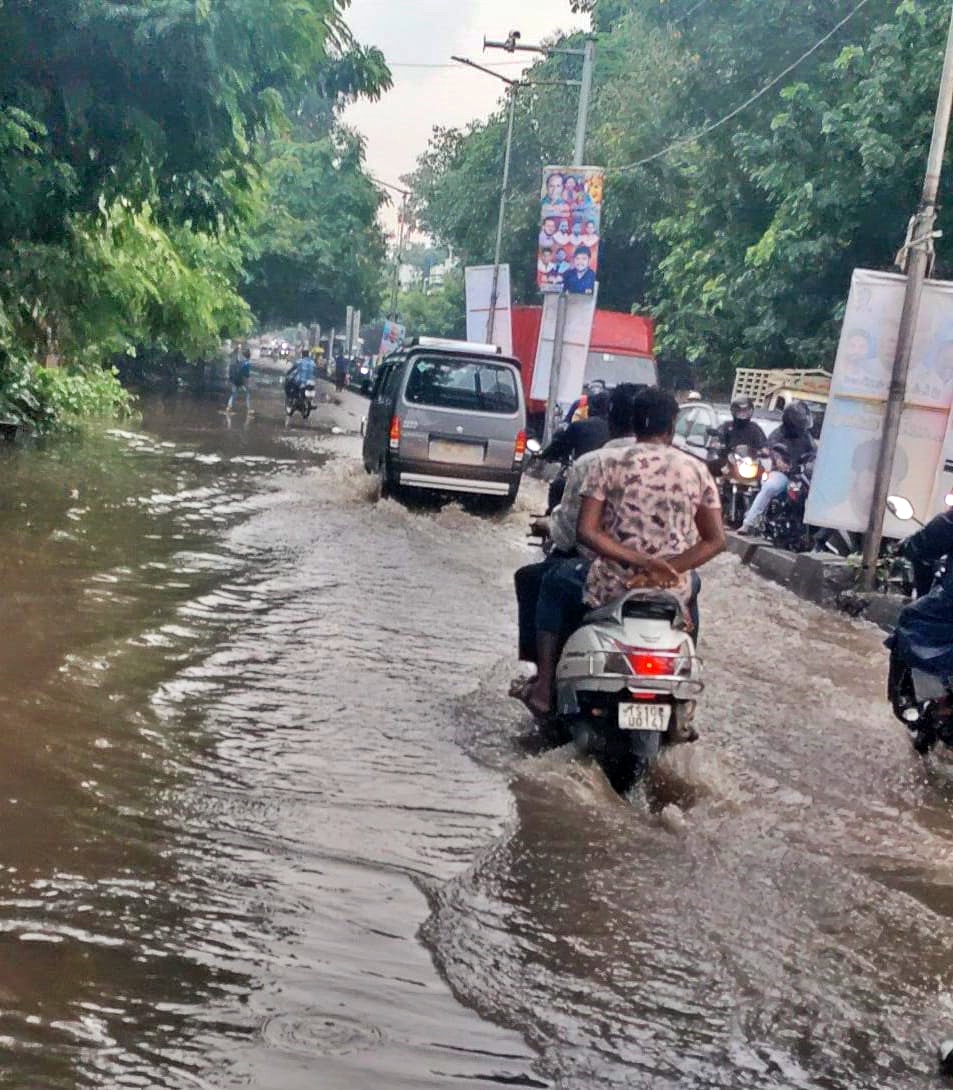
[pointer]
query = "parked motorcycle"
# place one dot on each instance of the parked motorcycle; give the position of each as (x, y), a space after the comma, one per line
(301, 398)
(627, 684)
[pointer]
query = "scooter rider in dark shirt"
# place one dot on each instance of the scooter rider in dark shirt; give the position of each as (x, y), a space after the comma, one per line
(579, 438)
(583, 436)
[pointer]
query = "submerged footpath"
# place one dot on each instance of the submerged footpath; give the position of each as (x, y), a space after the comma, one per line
(828, 581)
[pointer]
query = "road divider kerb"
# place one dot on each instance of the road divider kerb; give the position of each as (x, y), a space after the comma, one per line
(827, 581)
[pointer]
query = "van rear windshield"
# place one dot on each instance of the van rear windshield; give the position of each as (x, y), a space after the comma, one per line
(472, 385)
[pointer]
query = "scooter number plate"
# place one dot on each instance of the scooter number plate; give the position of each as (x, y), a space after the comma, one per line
(651, 717)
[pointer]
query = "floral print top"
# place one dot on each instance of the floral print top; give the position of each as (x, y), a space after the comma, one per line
(652, 495)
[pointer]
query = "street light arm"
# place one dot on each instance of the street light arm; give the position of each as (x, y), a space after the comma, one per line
(488, 71)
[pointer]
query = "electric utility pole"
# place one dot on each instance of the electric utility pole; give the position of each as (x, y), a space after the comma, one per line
(395, 286)
(588, 53)
(513, 86)
(919, 250)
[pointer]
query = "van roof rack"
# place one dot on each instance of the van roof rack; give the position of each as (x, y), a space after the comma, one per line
(456, 346)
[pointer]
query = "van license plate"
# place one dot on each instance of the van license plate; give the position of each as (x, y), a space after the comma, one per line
(458, 454)
(652, 717)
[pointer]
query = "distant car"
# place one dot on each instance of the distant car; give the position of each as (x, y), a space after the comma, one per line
(360, 375)
(697, 419)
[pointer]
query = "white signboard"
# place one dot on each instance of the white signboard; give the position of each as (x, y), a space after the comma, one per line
(479, 283)
(843, 484)
(580, 314)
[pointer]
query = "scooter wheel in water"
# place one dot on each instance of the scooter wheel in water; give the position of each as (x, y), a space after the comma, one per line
(924, 740)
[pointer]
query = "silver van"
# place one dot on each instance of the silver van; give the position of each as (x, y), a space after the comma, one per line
(447, 416)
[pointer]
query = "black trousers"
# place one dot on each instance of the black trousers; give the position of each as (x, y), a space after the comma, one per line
(528, 582)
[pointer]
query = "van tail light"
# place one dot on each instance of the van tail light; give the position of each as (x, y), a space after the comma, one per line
(519, 450)
(395, 433)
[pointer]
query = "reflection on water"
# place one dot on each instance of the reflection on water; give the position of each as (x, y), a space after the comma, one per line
(255, 749)
(221, 795)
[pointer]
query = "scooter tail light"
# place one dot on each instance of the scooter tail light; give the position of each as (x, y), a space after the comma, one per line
(643, 662)
(519, 449)
(646, 664)
(395, 432)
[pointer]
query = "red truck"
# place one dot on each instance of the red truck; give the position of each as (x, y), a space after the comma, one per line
(621, 350)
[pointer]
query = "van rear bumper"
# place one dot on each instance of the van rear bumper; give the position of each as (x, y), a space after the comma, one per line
(479, 480)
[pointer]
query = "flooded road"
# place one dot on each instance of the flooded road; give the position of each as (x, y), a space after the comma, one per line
(268, 821)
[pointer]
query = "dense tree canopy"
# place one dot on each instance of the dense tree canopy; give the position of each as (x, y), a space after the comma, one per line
(144, 149)
(741, 241)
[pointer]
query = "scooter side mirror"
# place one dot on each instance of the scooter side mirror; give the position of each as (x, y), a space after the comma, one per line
(533, 446)
(900, 507)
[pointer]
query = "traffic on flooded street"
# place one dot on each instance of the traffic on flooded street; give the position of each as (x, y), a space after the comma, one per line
(272, 819)
(476, 545)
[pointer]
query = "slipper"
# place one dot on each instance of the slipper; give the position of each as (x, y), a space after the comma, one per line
(537, 713)
(519, 686)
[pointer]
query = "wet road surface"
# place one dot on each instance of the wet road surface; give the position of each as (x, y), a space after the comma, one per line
(268, 821)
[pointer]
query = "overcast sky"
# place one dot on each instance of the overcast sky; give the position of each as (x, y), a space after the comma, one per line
(428, 32)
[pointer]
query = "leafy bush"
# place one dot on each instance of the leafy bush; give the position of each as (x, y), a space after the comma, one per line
(47, 399)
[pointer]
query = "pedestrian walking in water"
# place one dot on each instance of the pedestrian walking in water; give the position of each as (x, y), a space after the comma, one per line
(340, 371)
(239, 374)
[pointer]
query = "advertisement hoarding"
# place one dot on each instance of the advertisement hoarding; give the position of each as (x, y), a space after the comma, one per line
(843, 483)
(570, 224)
(479, 285)
(577, 337)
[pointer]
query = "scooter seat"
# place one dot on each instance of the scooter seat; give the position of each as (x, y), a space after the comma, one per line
(658, 604)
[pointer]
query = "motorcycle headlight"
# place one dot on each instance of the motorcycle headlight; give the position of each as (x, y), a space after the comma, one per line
(748, 468)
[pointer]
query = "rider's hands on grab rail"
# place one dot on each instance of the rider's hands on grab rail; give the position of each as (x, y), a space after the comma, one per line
(655, 573)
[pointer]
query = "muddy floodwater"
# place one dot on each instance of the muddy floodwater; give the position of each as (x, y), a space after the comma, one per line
(269, 821)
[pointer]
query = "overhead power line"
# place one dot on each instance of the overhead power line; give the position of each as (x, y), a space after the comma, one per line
(437, 64)
(389, 185)
(695, 137)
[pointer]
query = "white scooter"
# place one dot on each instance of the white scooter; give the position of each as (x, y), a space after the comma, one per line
(627, 683)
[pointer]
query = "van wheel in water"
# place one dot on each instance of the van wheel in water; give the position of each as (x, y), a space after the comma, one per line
(386, 488)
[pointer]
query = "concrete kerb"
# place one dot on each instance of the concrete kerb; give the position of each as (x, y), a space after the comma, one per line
(825, 581)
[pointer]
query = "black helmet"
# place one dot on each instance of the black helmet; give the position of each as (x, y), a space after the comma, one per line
(797, 418)
(742, 408)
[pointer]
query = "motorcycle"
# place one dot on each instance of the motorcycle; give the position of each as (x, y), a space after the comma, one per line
(784, 525)
(301, 398)
(738, 474)
(920, 700)
(627, 684)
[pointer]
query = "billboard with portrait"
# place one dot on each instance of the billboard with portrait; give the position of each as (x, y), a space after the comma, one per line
(570, 225)
(843, 483)
(392, 337)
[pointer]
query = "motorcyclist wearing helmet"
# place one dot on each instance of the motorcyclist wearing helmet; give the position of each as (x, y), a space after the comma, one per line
(790, 446)
(582, 436)
(741, 430)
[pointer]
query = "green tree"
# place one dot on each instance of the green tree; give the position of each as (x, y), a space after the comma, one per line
(438, 313)
(319, 248)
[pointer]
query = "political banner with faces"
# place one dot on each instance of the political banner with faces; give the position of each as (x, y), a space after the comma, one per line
(567, 258)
